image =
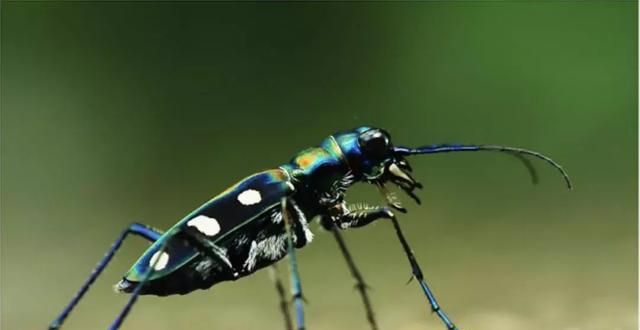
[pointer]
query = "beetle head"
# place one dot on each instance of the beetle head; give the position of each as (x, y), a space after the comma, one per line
(374, 159)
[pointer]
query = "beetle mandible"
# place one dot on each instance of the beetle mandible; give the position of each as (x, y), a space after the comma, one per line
(266, 216)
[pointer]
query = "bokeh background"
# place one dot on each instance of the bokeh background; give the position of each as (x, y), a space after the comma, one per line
(140, 111)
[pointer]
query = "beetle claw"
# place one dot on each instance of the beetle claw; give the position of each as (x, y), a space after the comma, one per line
(410, 279)
(398, 207)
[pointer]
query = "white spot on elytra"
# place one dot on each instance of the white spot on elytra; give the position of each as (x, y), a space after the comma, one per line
(249, 197)
(206, 225)
(159, 260)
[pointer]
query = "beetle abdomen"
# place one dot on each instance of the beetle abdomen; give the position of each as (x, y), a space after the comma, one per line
(262, 244)
(202, 273)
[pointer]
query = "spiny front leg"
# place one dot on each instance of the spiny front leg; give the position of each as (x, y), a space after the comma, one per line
(364, 215)
(343, 217)
(359, 215)
(361, 286)
(415, 267)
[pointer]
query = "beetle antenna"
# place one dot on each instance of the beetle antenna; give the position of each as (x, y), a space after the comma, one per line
(517, 152)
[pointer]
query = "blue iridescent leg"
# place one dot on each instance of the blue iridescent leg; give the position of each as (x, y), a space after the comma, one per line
(360, 218)
(135, 228)
(417, 273)
(296, 287)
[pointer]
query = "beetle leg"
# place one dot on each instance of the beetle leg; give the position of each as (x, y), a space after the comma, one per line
(296, 287)
(141, 230)
(211, 250)
(417, 273)
(115, 325)
(361, 286)
(360, 218)
(284, 304)
(362, 215)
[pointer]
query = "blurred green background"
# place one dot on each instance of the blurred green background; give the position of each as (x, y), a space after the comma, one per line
(121, 112)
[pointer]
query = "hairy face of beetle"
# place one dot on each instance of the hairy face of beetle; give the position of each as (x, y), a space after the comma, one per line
(384, 165)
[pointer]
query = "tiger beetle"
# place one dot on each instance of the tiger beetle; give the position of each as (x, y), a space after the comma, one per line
(265, 217)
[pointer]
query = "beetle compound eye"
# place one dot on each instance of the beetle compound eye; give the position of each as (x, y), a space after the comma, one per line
(374, 143)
